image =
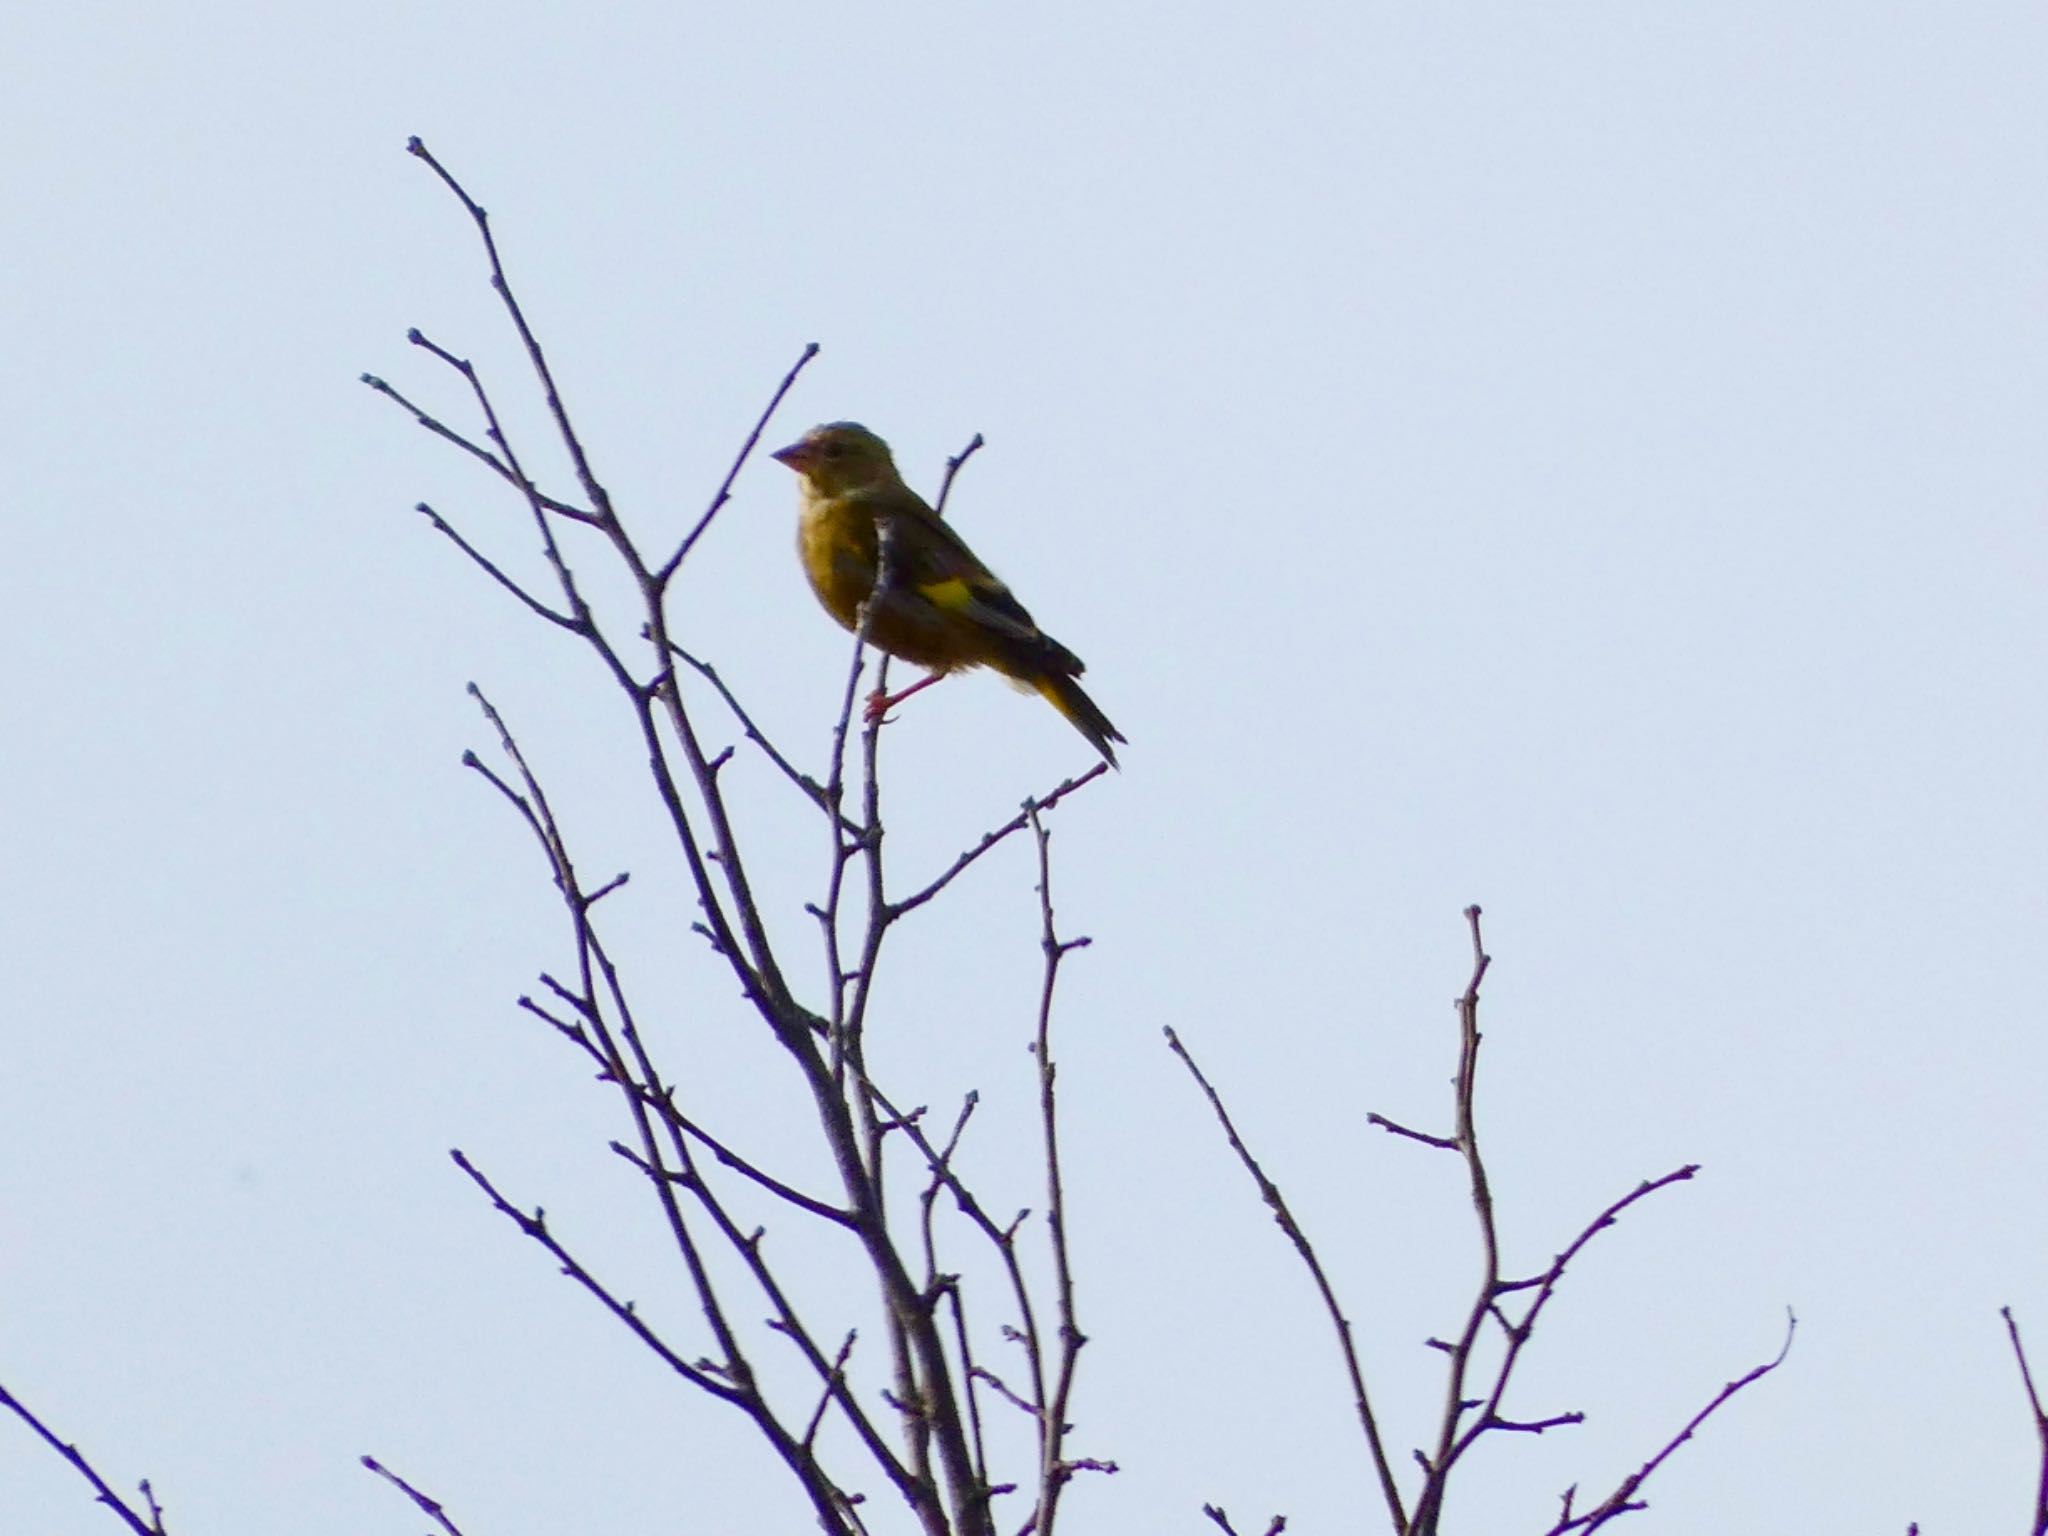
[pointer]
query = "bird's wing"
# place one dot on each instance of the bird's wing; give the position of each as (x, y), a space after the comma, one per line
(935, 563)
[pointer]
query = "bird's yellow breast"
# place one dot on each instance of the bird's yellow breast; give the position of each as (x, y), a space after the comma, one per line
(836, 543)
(839, 547)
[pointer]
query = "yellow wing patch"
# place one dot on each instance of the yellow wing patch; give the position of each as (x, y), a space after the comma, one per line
(953, 594)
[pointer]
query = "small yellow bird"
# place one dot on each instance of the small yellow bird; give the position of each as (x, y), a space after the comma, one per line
(942, 608)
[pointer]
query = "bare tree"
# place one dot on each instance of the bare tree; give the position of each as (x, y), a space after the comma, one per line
(960, 1419)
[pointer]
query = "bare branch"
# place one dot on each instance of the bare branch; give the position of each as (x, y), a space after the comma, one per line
(1442, 1143)
(476, 450)
(1054, 1470)
(812, 789)
(599, 500)
(1222, 1521)
(1538, 1426)
(730, 1159)
(953, 467)
(150, 1524)
(969, 1376)
(1368, 1421)
(2012, 1329)
(1450, 1442)
(668, 566)
(1548, 1279)
(1623, 1500)
(835, 1384)
(1015, 824)
(709, 1378)
(430, 1507)
(492, 570)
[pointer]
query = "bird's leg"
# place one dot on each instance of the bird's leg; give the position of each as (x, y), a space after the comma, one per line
(880, 703)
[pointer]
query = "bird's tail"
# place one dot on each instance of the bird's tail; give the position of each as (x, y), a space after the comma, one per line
(1068, 697)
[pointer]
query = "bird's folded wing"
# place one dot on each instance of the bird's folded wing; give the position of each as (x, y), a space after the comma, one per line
(941, 569)
(987, 603)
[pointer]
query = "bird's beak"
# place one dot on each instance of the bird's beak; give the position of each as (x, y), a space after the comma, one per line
(797, 456)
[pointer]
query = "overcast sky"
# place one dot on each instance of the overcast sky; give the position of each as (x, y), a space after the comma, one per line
(1585, 460)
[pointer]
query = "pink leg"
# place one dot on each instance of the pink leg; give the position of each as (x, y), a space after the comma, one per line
(880, 703)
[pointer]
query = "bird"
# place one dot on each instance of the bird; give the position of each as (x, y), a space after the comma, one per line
(941, 608)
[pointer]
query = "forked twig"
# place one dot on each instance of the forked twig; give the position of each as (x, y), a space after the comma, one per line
(501, 285)
(714, 1380)
(475, 450)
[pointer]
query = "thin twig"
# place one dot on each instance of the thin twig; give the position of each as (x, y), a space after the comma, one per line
(600, 502)
(731, 1159)
(1368, 1421)
(953, 467)
(152, 1525)
(1007, 1393)
(1394, 1127)
(834, 1384)
(1014, 825)
(1538, 1426)
(428, 1506)
(579, 610)
(491, 569)
(1222, 1521)
(812, 789)
(476, 450)
(1450, 1443)
(969, 1377)
(1623, 1500)
(668, 566)
(536, 1227)
(2012, 1329)
(1053, 1467)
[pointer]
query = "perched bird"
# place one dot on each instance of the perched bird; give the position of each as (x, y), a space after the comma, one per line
(941, 607)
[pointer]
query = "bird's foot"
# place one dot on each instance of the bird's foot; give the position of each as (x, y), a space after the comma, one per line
(879, 703)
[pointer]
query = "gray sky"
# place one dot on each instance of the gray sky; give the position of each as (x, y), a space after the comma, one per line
(1584, 460)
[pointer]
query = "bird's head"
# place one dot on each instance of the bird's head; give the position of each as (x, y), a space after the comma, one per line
(838, 457)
